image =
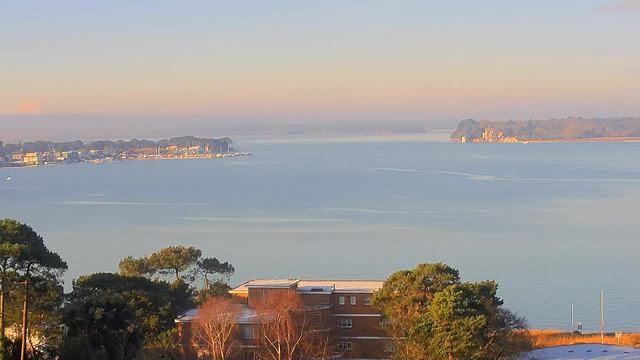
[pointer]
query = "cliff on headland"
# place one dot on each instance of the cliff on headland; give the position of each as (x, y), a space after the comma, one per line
(570, 128)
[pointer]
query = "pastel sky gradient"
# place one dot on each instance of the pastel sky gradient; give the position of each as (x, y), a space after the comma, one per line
(404, 59)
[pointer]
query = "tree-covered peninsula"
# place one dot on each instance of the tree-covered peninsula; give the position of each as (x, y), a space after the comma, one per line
(570, 128)
(219, 145)
(47, 152)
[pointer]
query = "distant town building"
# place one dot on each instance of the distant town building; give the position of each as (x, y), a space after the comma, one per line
(487, 135)
(490, 136)
(31, 158)
(48, 157)
(70, 156)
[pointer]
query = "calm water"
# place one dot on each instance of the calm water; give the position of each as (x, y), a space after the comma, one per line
(552, 223)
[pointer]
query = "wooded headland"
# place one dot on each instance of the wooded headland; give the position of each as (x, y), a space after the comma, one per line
(566, 129)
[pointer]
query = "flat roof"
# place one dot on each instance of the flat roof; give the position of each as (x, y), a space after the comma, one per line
(272, 283)
(248, 316)
(313, 286)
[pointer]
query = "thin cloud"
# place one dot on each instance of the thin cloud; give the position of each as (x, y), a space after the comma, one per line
(30, 107)
(621, 6)
(266, 220)
(99, 203)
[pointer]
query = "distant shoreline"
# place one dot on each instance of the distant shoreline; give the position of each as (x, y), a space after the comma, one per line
(568, 129)
(43, 153)
(223, 156)
(123, 160)
(601, 139)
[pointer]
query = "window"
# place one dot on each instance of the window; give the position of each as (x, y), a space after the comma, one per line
(250, 355)
(345, 323)
(341, 300)
(247, 332)
(352, 299)
(345, 345)
(367, 301)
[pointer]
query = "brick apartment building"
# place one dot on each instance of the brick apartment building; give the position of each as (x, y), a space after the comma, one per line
(343, 307)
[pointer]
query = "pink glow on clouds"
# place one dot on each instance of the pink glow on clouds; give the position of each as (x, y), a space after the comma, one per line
(30, 107)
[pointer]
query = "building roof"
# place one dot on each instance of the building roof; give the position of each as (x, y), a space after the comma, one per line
(272, 283)
(248, 316)
(313, 286)
(187, 316)
(303, 287)
(365, 286)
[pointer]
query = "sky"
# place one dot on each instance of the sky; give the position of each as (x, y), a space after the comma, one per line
(322, 60)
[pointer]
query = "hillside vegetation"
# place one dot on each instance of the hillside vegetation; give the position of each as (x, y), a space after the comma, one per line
(569, 128)
(119, 145)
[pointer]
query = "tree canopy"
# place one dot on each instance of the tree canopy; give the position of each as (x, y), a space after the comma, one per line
(181, 263)
(130, 266)
(174, 260)
(100, 325)
(431, 314)
(212, 266)
(184, 265)
(552, 129)
(220, 271)
(106, 316)
(177, 261)
(25, 259)
(155, 304)
(152, 304)
(219, 145)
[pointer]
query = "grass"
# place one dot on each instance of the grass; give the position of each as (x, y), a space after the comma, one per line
(549, 338)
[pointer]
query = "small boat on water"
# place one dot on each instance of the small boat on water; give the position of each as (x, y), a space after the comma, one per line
(8, 178)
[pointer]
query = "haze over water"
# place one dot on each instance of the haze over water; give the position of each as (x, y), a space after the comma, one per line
(552, 223)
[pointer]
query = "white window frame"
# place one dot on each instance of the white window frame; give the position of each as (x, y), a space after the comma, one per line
(345, 323)
(346, 345)
(341, 300)
(352, 300)
(367, 301)
(244, 332)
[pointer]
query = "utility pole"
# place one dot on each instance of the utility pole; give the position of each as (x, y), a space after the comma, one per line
(2, 342)
(571, 316)
(24, 320)
(602, 316)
